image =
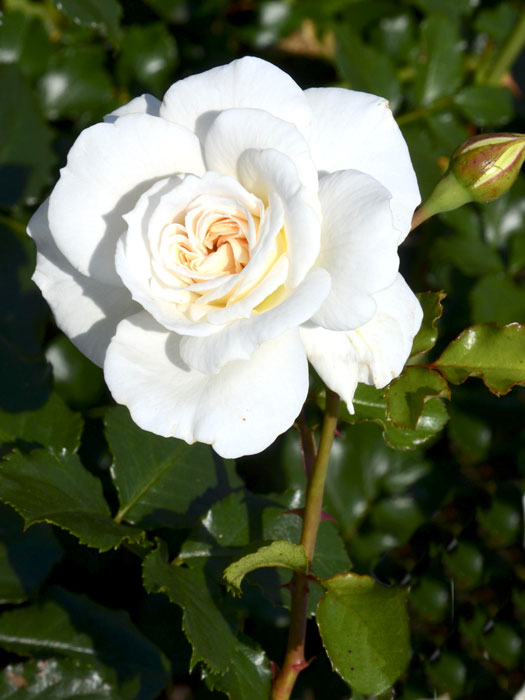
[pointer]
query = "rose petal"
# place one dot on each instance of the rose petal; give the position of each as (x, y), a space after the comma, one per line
(86, 310)
(358, 247)
(133, 257)
(236, 130)
(240, 339)
(234, 410)
(144, 104)
(373, 354)
(248, 82)
(108, 168)
(356, 131)
(266, 171)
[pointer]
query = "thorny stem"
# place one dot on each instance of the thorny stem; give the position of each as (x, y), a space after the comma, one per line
(294, 661)
(308, 447)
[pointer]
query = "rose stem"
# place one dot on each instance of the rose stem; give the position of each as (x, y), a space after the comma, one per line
(308, 446)
(420, 215)
(294, 661)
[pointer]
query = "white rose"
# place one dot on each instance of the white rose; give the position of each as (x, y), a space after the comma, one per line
(202, 248)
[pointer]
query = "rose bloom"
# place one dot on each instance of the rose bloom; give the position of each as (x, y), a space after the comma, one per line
(202, 249)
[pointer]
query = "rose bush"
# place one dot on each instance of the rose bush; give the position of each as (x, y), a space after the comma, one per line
(203, 248)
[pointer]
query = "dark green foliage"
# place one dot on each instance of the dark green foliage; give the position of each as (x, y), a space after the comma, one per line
(424, 491)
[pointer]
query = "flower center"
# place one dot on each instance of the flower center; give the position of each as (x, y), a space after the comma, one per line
(211, 239)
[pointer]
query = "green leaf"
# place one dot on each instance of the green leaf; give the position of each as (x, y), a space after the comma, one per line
(493, 353)
(227, 531)
(250, 676)
(395, 34)
(148, 57)
(464, 221)
(76, 85)
(429, 141)
(163, 481)
(451, 8)
(469, 435)
(465, 564)
(26, 157)
(278, 554)
(207, 629)
(407, 395)
(364, 68)
(176, 11)
(26, 558)
(366, 490)
(498, 21)
(504, 644)
(54, 487)
(23, 40)
(55, 679)
(398, 517)
(448, 673)
(499, 299)
(472, 256)
(431, 598)
(432, 310)
(53, 425)
(370, 404)
(364, 628)
(103, 15)
(485, 105)
(76, 627)
(501, 523)
(439, 72)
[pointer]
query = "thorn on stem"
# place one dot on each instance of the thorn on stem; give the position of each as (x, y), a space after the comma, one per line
(301, 665)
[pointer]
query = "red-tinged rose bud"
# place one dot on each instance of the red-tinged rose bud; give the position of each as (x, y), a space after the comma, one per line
(480, 170)
(487, 165)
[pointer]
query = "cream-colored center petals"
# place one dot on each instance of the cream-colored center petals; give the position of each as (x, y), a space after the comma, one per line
(212, 238)
(202, 252)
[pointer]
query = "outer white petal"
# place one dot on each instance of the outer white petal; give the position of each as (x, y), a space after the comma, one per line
(108, 168)
(241, 338)
(247, 82)
(373, 354)
(355, 130)
(334, 360)
(239, 411)
(236, 130)
(358, 248)
(384, 343)
(87, 311)
(144, 104)
(266, 171)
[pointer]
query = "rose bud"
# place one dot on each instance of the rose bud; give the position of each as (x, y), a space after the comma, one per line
(488, 164)
(480, 170)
